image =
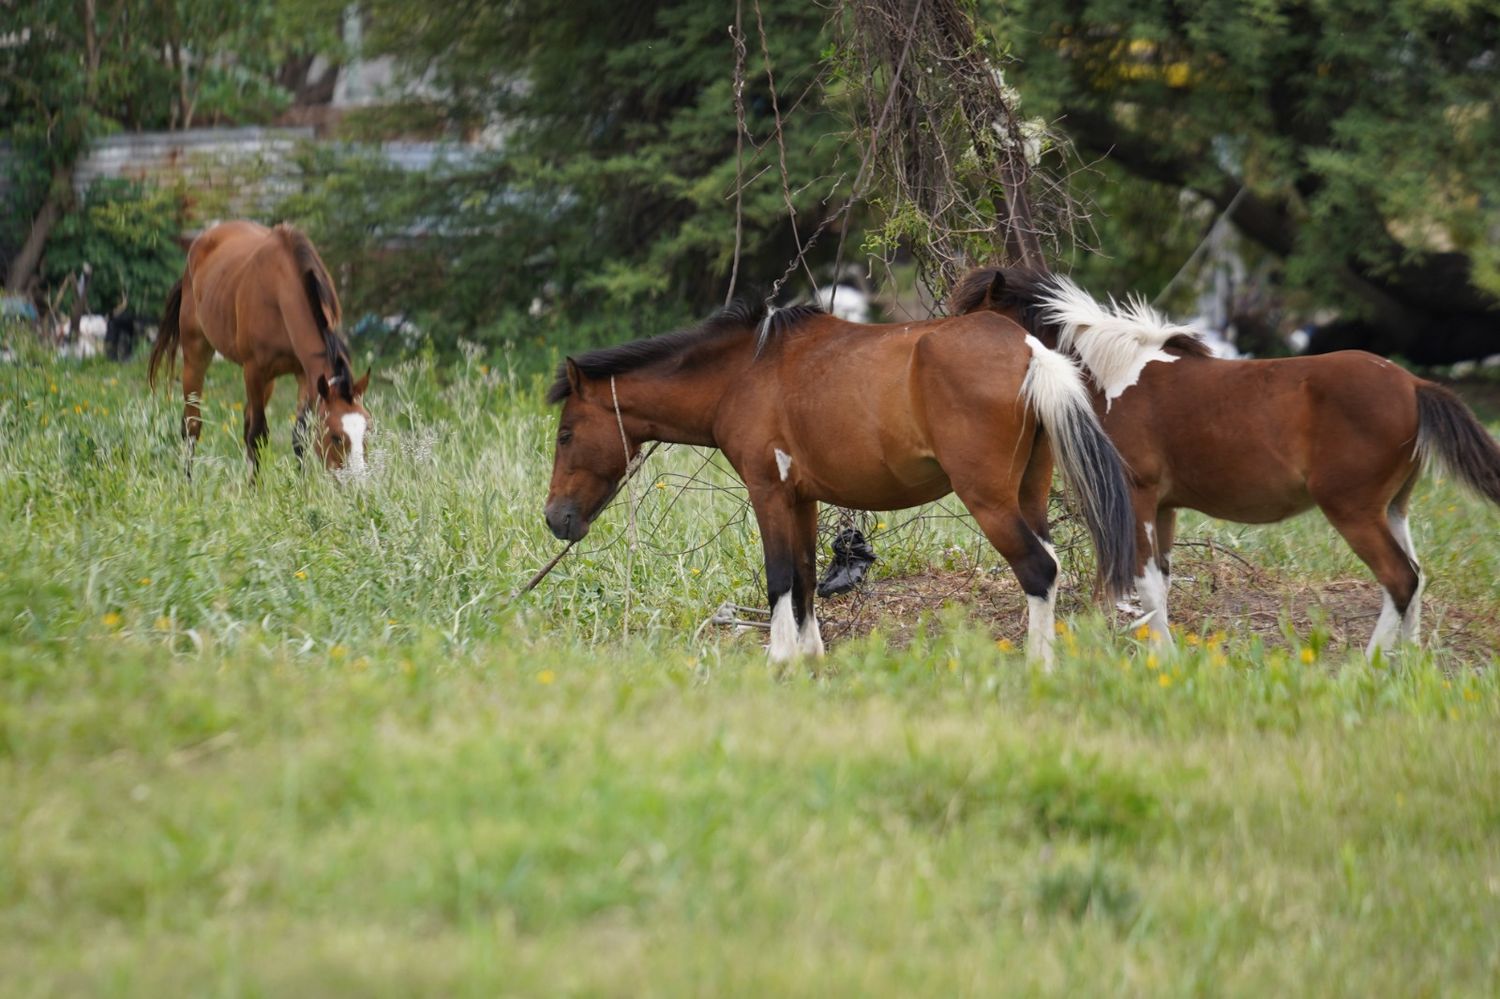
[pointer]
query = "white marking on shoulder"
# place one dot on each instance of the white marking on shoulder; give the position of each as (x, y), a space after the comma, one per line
(783, 463)
(1115, 343)
(354, 428)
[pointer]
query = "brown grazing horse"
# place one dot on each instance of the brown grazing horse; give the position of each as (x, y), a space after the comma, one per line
(810, 409)
(263, 299)
(1254, 441)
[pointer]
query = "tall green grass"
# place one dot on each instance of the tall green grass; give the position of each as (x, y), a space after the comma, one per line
(294, 737)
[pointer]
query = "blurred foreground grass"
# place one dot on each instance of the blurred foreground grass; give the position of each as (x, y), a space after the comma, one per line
(288, 739)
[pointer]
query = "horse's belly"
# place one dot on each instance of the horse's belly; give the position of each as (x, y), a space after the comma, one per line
(879, 485)
(1247, 506)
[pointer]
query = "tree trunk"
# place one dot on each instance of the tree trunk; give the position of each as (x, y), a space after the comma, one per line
(23, 265)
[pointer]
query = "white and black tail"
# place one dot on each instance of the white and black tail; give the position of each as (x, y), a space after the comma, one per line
(1054, 390)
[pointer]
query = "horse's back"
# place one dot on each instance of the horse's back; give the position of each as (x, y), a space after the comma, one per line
(234, 278)
(1247, 440)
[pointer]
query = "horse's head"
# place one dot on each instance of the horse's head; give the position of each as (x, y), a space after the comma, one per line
(1010, 291)
(343, 422)
(590, 458)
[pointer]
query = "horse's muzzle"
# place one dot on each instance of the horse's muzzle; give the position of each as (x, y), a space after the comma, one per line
(565, 520)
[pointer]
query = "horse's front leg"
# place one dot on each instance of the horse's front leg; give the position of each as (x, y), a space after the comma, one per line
(1154, 533)
(789, 567)
(300, 434)
(805, 584)
(257, 430)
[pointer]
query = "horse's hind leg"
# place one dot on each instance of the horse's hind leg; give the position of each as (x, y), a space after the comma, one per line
(1032, 560)
(1036, 487)
(1395, 515)
(1377, 537)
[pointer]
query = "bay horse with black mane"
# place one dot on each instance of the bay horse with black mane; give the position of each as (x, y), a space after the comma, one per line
(810, 409)
(263, 299)
(1253, 441)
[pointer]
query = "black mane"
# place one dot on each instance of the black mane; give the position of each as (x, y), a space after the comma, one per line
(1022, 290)
(337, 352)
(740, 317)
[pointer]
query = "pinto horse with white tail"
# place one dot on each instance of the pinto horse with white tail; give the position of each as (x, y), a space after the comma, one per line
(810, 409)
(263, 299)
(1253, 441)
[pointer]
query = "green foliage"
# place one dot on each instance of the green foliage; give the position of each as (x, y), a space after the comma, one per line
(128, 233)
(619, 145)
(1367, 130)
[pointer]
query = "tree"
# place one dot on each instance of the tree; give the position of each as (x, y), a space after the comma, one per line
(617, 128)
(73, 70)
(1354, 139)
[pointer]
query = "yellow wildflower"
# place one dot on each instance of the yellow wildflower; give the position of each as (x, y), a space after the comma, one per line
(880, 526)
(163, 623)
(77, 410)
(697, 571)
(1307, 655)
(1191, 638)
(1005, 645)
(1470, 694)
(1152, 663)
(112, 620)
(338, 652)
(407, 667)
(300, 574)
(1060, 627)
(661, 485)
(1165, 680)
(952, 665)
(52, 388)
(1143, 632)
(144, 580)
(545, 677)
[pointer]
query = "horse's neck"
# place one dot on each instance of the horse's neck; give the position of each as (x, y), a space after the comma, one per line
(677, 406)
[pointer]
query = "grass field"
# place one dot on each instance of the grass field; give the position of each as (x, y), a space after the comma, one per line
(291, 738)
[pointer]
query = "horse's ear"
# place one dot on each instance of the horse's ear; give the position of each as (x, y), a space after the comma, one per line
(324, 390)
(997, 287)
(362, 384)
(575, 378)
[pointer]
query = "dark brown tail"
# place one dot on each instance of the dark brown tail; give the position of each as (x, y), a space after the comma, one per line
(1449, 435)
(167, 336)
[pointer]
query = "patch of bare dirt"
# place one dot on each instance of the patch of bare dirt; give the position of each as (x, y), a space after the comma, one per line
(1212, 590)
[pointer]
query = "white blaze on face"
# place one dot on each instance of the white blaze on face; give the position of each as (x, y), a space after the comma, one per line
(354, 428)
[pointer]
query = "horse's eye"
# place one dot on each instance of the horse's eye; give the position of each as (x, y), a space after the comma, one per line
(564, 436)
